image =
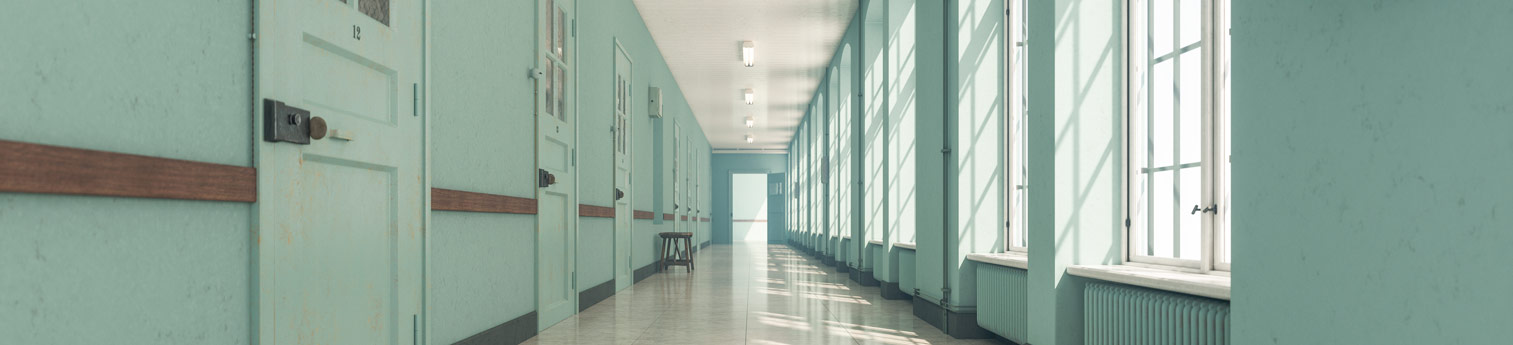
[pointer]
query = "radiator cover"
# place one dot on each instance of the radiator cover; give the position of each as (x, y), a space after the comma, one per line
(1129, 315)
(1003, 301)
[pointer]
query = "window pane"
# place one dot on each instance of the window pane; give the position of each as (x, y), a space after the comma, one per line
(1191, 108)
(1191, 25)
(551, 93)
(1161, 34)
(551, 27)
(562, 34)
(1163, 210)
(561, 97)
(1163, 98)
(377, 9)
(1190, 245)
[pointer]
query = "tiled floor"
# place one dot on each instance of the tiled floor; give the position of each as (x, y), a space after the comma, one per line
(748, 294)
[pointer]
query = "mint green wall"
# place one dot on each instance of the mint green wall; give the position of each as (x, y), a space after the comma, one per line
(1083, 172)
(725, 164)
(600, 23)
(482, 141)
(82, 270)
(929, 126)
(177, 272)
(902, 150)
(976, 129)
(1382, 226)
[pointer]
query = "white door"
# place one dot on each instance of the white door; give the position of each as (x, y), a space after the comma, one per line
(748, 208)
(624, 212)
(340, 218)
(556, 195)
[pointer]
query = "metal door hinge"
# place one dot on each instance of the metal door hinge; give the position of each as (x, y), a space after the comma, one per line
(945, 151)
(415, 99)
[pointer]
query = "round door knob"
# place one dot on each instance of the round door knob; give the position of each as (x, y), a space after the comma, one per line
(317, 128)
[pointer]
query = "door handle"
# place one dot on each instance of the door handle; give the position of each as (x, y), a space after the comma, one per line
(317, 128)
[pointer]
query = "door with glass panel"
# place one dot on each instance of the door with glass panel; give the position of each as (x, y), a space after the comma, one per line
(556, 140)
(1178, 130)
(623, 207)
(339, 217)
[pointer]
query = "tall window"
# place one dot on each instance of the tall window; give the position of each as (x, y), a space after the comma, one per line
(1018, 238)
(1178, 133)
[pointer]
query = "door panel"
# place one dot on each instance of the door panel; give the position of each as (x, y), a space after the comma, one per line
(556, 140)
(624, 271)
(340, 220)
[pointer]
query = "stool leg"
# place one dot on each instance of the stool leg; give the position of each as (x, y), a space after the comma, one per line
(688, 245)
(662, 262)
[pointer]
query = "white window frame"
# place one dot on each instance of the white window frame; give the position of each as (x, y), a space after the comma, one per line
(1215, 140)
(1014, 54)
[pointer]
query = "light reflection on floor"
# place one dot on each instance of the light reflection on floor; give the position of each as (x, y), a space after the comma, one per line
(748, 294)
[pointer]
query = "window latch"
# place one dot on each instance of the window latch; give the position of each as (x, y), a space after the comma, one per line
(1211, 209)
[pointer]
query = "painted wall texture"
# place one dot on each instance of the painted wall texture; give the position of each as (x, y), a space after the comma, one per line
(123, 270)
(725, 164)
(1369, 172)
(139, 271)
(483, 141)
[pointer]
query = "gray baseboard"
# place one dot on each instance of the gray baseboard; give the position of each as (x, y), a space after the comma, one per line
(828, 260)
(596, 294)
(957, 325)
(705, 244)
(840, 266)
(511, 332)
(891, 291)
(645, 271)
(864, 277)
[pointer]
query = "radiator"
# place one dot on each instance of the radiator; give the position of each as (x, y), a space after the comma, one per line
(1121, 314)
(1003, 301)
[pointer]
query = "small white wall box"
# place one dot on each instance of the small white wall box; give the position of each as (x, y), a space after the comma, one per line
(655, 97)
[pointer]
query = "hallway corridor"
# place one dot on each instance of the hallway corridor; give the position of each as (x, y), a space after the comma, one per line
(748, 294)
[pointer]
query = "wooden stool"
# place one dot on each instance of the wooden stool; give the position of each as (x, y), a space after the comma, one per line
(675, 255)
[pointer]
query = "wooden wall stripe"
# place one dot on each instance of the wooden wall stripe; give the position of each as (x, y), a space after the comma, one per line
(706, 220)
(639, 214)
(595, 211)
(456, 200)
(668, 216)
(46, 169)
(683, 218)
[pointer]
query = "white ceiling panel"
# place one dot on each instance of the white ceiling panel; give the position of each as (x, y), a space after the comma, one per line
(701, 41)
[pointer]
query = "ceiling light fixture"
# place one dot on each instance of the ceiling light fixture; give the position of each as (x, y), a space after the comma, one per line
(750, 122)
(748, 53)
(750, 96)
(750, 139)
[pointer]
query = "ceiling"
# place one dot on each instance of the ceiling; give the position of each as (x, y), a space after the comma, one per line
(701, 41)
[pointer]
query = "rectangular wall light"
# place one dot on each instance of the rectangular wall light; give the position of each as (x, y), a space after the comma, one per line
(750, 96)
(750, 122)
(748, 53)
(750, 139)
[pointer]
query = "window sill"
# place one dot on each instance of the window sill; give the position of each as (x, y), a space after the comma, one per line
(904, 245)
(1197, 284)
(876, 243)
(1011, 260)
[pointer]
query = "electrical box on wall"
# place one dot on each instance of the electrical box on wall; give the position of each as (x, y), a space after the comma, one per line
(654, 95)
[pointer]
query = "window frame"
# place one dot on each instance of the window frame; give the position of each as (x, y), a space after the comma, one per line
(1215, 141)
(1016, 32)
